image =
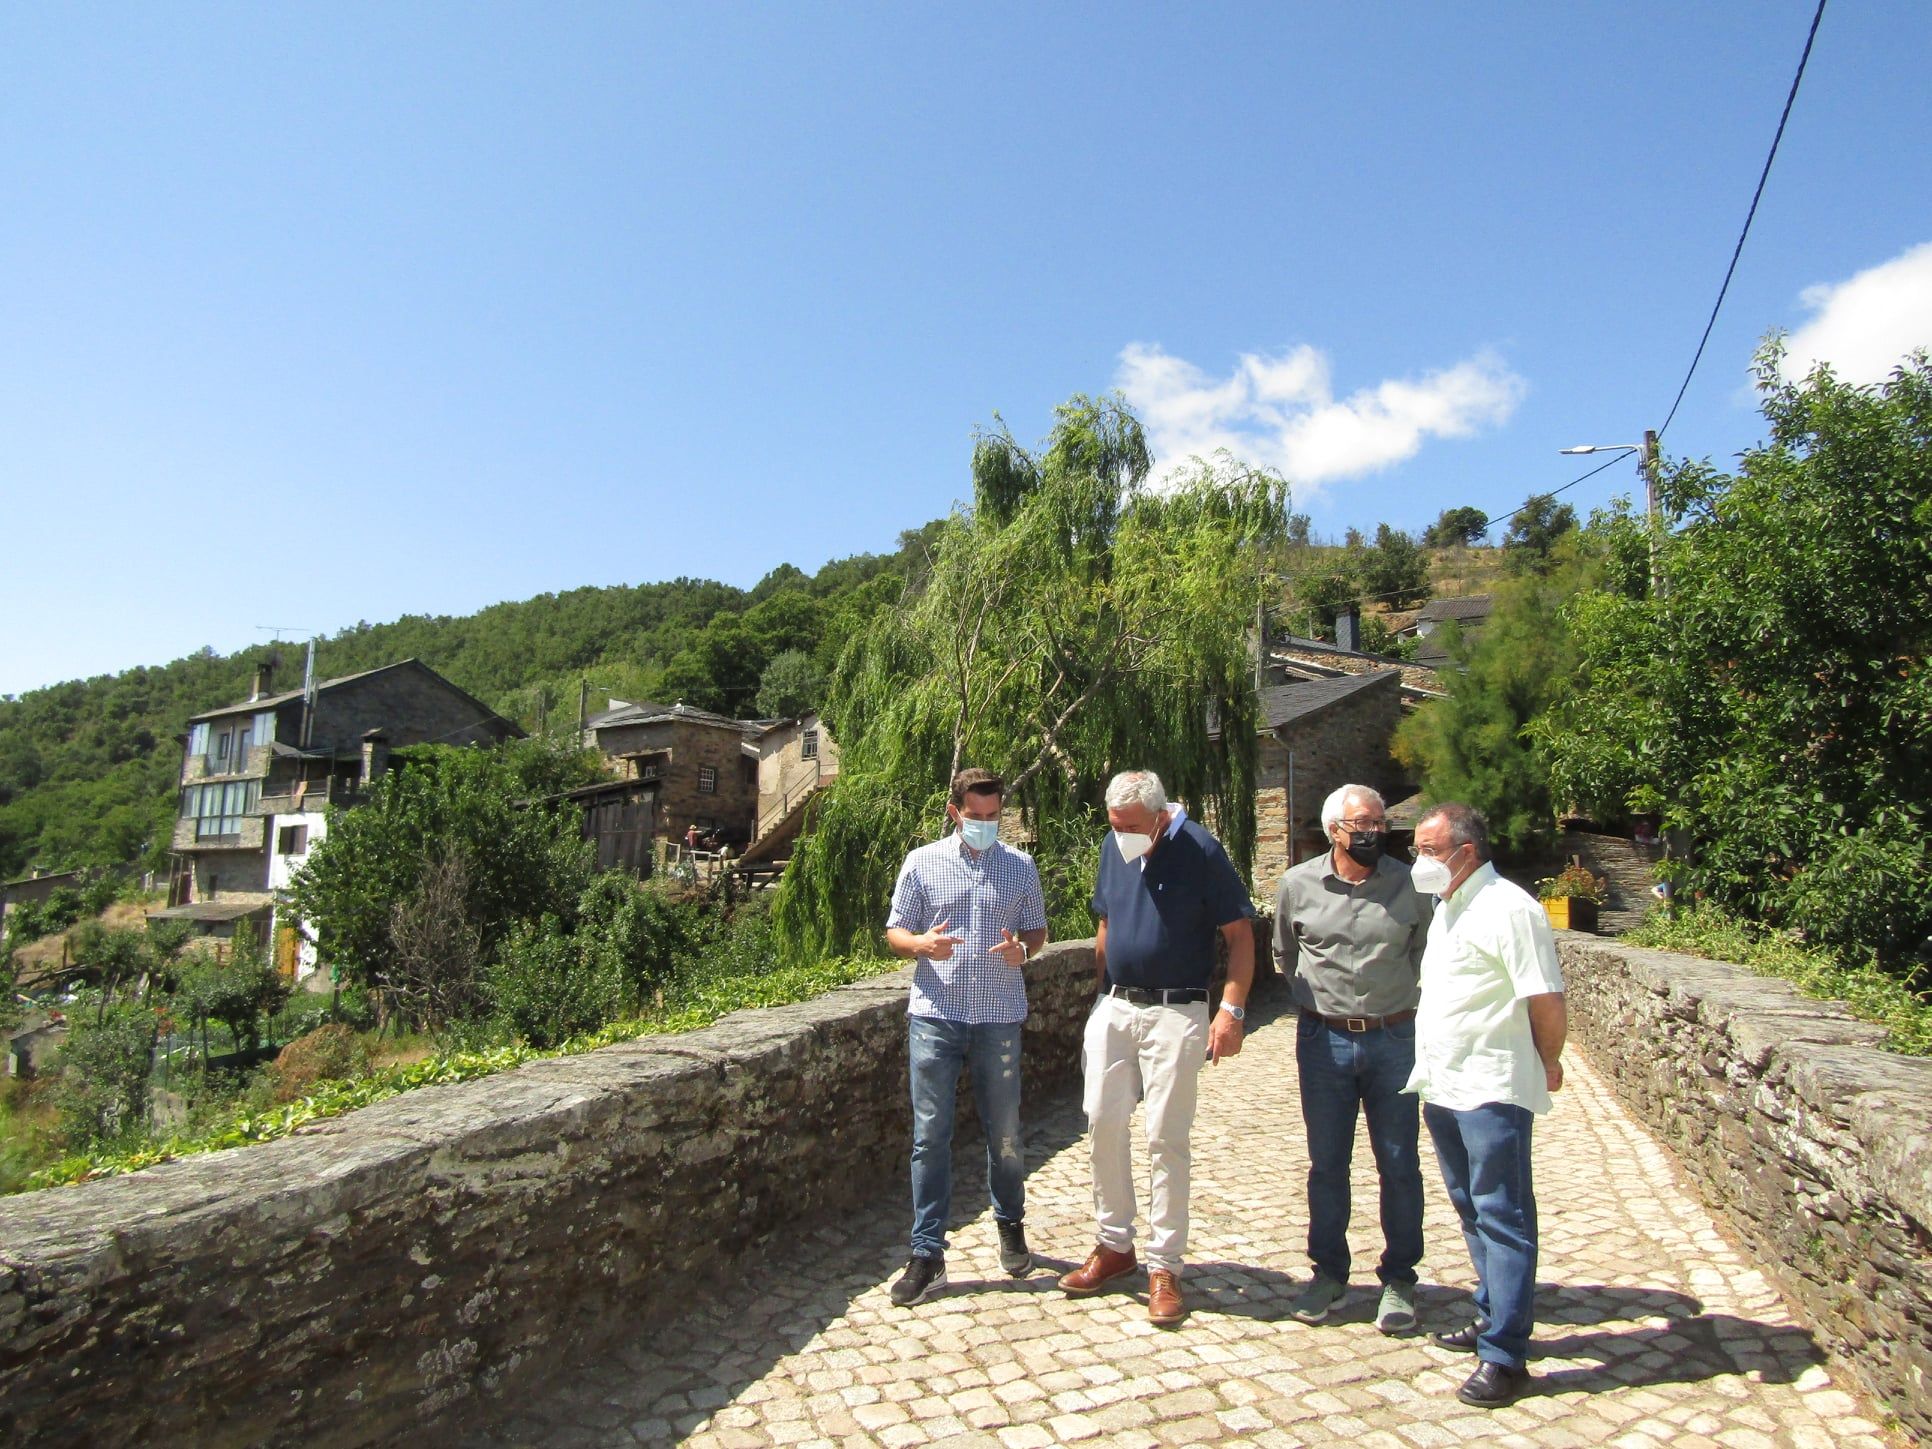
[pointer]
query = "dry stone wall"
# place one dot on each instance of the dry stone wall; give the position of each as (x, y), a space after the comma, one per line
(351, 1284)
(1815, 1145)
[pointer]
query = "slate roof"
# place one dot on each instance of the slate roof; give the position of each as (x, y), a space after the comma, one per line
(269, 701)
(645, 712)
(1473, 607)
(1283, 704)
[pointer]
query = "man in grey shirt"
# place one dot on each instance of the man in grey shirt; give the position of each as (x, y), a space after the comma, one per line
(1355, 928)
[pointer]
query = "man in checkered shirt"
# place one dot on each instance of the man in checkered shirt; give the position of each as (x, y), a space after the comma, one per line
(968, 910)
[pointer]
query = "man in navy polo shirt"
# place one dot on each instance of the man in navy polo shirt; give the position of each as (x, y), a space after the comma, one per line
(968, 910)
(1165, 890)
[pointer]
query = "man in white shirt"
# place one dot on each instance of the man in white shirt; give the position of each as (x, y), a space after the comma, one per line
(1489, 1046)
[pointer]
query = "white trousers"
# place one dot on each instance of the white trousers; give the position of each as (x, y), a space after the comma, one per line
(1130, 1053)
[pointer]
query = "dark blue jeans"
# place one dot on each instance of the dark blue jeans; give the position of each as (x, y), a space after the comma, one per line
(937, 1051)
(1485, 1157)
(1343, 1073)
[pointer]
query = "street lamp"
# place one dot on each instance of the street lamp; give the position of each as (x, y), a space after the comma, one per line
(1646, 452)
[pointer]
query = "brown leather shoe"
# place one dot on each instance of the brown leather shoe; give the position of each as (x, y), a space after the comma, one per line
(1164, 1304)
(1103, 1265)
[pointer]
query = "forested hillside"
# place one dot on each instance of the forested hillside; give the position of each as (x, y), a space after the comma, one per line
(88, 768)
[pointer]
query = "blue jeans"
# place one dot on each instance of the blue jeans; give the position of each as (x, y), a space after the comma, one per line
(937, 1051)
(1485, 1157)
(1343, 1072)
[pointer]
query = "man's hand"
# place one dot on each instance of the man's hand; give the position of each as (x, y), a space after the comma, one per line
(1011, 949)
(936, 944)
(1553, 1075)
(1224, 1037)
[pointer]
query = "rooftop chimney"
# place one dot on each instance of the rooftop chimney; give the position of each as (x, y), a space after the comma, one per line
(1348, 629)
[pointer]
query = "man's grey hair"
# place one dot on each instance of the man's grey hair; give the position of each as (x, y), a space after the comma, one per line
(1466, 826)
(1136, 787)
(1336, 805)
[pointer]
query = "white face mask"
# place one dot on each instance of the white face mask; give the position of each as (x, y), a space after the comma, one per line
(1132, 847)
(1430, 876)
(979, 834)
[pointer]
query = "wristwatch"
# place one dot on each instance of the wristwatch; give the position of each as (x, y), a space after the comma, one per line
(1239, 1013)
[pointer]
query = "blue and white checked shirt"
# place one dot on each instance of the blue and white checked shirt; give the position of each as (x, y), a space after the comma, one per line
(979, 898)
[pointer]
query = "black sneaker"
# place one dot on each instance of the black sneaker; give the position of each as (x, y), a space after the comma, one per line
(923, 1278)
(1015, 1257)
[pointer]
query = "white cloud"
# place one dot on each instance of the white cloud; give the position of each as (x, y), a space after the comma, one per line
(1864, 326)
(1281, 411)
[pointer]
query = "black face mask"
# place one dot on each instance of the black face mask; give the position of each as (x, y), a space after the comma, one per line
(1365, 846)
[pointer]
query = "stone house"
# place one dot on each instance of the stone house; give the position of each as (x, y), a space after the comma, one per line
(1317, 734)
(1467, 614)
(705, 766)
(257, 777)
(35, 889)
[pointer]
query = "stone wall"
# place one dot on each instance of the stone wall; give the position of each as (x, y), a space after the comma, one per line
(1346, 743)
(1816, 1146)
(352, 1284)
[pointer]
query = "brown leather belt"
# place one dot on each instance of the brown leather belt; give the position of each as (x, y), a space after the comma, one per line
(1361, 1023)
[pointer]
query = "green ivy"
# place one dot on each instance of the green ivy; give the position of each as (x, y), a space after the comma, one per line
(1870, 993)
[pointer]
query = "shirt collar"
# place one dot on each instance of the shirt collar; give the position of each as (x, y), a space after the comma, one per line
(1180, 818)
(1463, 894)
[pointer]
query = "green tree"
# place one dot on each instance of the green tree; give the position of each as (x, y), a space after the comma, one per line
(1775, 703)
(791, 686)
(1395, 571)
(1533, 532)
(1470, 746)
(1323, 584)
(1453, 526)
(524, 858)
(1074, 624)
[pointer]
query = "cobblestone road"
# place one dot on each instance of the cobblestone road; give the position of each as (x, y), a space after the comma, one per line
(1653, 1329)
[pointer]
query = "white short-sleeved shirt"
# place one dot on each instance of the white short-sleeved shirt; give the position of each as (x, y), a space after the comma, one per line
(980, 894)
(1489, 949)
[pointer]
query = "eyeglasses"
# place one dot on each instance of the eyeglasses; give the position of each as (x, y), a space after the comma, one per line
(1433, 854)
(1364, 822)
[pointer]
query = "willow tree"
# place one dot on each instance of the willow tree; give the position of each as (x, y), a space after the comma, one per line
(1076, 622)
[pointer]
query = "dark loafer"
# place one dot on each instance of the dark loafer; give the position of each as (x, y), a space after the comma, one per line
(1492, 1385)
(1462, 1340)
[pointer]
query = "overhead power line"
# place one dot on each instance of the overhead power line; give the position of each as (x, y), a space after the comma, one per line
(1756, 196)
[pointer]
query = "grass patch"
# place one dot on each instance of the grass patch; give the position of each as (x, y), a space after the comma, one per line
(694, 1001)
(1871, 994)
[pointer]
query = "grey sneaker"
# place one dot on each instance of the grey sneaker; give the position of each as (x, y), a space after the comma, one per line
(923, 1278)
(1317, 1298)
(1016, 1259)
(1396, 1312)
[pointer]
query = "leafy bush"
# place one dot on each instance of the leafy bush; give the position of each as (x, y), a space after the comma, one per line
(104, 1067)
(548, 986)
(1708, 930)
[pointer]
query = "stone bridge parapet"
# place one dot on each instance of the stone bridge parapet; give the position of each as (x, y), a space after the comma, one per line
(1813, 1144)
(349, 1284)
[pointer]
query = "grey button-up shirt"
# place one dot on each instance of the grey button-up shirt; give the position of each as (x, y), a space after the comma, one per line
(1357, 949)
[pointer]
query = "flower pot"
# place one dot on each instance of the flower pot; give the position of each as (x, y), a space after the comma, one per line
(1571, 913)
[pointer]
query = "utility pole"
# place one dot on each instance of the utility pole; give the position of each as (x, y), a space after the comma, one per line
(583, 708)
(1647, 464)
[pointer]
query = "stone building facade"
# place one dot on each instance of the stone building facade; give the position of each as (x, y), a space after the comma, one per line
(1318, 734)
(704, 765)
(258, 775)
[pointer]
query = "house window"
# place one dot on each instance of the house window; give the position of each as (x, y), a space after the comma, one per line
(292, 840)
(707, 780)
(198, 738)
(219, 809)
(808, 745)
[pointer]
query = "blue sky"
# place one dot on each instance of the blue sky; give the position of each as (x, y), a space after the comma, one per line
(316, 314)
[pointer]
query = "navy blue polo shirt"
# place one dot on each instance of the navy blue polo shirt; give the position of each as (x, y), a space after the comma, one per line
(1162, 921)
